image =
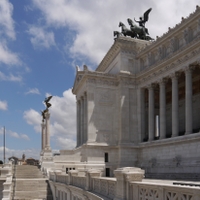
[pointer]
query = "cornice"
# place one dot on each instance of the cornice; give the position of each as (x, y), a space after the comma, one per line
(180, 58)
(185, 23)
(121, 44)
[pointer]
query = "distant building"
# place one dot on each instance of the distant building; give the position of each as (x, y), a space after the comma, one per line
(24, 161)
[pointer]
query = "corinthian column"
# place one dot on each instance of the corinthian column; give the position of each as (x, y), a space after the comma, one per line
(42, 135)
(47, 139)
(151, 113)
(85, 118)
(175, 119)
(82, 121)
(78, 122)
(162, 109)
(188, 101)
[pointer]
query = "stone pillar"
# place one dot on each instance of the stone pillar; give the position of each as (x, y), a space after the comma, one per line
(47, 134)
(78, 123)
(124, 176)
(81, 121)
(89, 175)
(85, 118)
(162, 109)
(188, 101)
(151, 113)
(141, 112)
(71, 173)
(175, 118)
(43, 136)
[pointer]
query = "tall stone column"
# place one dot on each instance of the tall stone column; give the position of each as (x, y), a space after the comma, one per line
(82, 121)
(162, 109)
(151, 113)
(43, 136)
(47, 139)
(78, 122)
(175, 118)
(141, 113)
(188, 101)
(85, 118)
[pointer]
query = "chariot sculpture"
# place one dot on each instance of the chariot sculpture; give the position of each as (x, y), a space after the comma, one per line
(135, 31)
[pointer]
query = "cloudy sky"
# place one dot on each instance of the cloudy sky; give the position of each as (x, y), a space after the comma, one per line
(41, 42)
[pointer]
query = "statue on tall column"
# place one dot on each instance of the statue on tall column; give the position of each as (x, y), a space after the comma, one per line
(45, 124)
(46, 101)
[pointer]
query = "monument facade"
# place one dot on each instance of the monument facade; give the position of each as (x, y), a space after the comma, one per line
(141, 105)
(138, 114)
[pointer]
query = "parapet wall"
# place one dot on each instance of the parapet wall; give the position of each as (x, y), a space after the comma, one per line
(128, 183)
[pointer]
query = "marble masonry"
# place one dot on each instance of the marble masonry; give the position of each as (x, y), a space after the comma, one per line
(141, 106)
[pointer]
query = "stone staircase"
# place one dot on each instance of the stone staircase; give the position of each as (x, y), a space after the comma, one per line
(29, 183)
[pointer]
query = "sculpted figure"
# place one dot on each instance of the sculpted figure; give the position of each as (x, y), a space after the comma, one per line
(46, 101)
(135, 31)
(143, 20)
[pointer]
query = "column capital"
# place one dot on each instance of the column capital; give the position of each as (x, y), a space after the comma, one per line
(175, 75)
(188, 69)
(151, 86)
(162, 81)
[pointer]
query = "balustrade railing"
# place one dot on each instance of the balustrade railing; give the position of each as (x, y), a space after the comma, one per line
(143, 191)
(130, 185)
(104, 186)
(62, 178)
(79, 181)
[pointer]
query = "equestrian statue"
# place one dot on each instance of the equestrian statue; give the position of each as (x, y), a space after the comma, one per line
(135, 31)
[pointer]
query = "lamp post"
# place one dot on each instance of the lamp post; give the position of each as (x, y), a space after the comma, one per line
(4, 144)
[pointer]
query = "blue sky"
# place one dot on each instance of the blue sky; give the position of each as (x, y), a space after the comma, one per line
(42, 41)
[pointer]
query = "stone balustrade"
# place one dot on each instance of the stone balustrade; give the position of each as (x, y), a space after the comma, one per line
(104, 186)
(128, 184)
(6, 174)
(163, 190)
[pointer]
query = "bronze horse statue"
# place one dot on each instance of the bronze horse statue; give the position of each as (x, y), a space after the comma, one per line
(139, 30)
(127, 32)
(135, 31)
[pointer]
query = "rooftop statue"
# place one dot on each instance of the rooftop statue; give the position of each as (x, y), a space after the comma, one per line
(135, 31)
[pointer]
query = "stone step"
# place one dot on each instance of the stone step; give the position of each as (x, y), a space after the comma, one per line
(30, 194)
(29, 183)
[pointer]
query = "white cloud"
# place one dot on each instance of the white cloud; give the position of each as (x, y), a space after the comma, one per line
(10, 77)
(95, 21)
(17, 135)
(41, 38)
(65, 143)
(3, 105)
(8, 57)
(7, 32)
(6, 21)
(63, 119)
(33, 118)
(33, 91)
(24, 136)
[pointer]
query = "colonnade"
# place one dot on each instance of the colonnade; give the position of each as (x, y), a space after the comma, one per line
(82, 120)
(162, 106)
(45, 133)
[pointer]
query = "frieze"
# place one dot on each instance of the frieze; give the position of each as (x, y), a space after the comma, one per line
(177, 62)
